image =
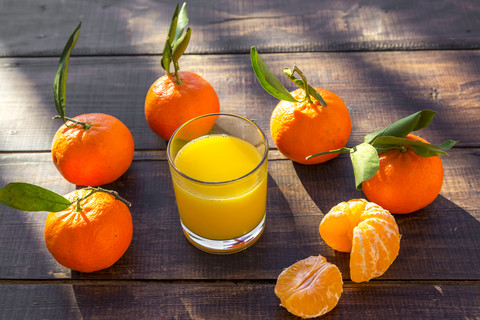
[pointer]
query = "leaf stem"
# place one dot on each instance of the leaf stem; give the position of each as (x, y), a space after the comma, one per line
(93, 190)
(341, 150)
(85, 125)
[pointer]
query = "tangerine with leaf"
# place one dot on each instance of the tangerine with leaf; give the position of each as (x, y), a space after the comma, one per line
(91, 149)
(398, 170)
(305, 121)
(87, 230)
(405, 181)
(178, 96)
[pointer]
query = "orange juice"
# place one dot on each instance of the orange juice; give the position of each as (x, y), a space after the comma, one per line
(225, 196)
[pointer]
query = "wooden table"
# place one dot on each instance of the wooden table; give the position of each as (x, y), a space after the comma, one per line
(386, 59)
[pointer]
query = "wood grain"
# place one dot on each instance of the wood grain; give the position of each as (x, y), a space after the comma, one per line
(385, 58)
(32, 28)
(234, 300)
(439, 242)
(378, 88)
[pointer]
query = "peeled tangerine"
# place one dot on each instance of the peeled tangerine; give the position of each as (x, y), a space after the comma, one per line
(310, 287)
(367, 231)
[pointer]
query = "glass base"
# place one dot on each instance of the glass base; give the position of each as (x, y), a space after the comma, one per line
(225, 246)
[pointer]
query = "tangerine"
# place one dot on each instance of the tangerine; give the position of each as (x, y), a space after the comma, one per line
(310, 287)
(405, 181)
(169, 104)
(300, 129)
(91, 237)
(367, 231)
(96, 155)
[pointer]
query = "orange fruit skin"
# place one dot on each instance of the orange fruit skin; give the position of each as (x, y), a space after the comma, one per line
(366, 230)
(310, 287)
(92, 239)
(405, 181)
(168, 105)
(95, 156)
(299, 130)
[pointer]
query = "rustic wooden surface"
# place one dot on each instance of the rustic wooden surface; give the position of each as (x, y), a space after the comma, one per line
(386, 59)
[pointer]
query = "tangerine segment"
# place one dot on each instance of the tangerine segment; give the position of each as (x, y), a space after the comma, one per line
(310, 287)
(337, 226)
(366, 230)
(375, 246)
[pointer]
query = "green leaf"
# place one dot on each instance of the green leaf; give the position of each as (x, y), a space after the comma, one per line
(176, 41)
(402, 127)
(60, 81)
(182, 22)
(180, 46)
(29, 197)
(267, 79)
(299, 82)
(314, 93)
(173, 27)
(421, 148)
(365, 163)
(167, 56)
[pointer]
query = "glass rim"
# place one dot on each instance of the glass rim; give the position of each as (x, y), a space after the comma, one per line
(261, 162)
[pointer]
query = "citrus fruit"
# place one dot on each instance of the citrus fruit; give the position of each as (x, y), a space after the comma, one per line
(367, 231)
(300, 129)
(94, 156)
(169, 104)
(93, 238)
(310, 287)
(405, 182)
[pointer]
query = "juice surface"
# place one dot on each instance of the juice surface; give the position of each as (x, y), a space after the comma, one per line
(215, 158)
(225, 210)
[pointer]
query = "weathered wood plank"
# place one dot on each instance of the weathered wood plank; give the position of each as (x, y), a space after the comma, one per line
(378, 88)
(124, 27)
(227, 300)
(441, 241)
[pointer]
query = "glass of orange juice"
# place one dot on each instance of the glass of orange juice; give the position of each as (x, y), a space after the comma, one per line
(218, 164)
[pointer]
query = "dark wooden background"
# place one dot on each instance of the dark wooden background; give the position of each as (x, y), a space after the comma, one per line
(386, 59)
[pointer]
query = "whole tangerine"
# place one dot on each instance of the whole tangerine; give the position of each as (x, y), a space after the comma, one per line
(94, 155)
(405, 181)
(91, 236)
(169, 104)
(300, 129)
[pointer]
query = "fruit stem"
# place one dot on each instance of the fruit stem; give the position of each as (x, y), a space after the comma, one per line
(176, 75)
(402, 148)
(85, 125)
(93, 190)
(305, 84)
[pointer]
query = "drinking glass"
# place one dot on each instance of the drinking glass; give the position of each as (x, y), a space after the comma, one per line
(218, 165)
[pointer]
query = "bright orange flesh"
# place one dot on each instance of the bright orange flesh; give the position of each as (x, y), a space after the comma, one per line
(367, 231)
(310, 287)
(92, 239)
(300, 130)
(94, 156)
(405, 181)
